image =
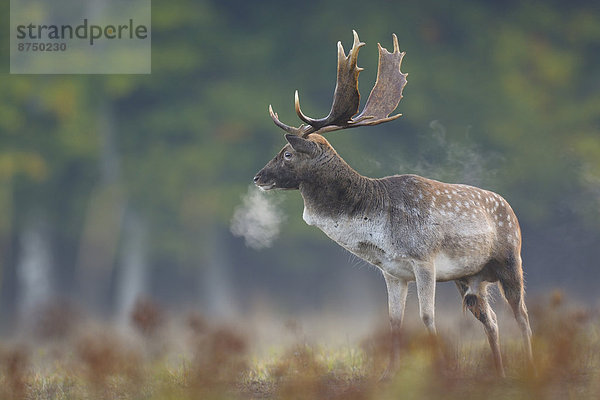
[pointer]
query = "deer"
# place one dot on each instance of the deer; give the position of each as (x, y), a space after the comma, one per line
(410, 227)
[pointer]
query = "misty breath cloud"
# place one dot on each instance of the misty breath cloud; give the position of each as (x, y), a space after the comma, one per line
(257, 219)
(458, 161)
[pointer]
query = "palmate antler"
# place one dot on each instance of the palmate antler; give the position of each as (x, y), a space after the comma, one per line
(383, 99)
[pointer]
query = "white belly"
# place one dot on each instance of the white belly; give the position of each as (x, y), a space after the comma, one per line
(370, 239)
(447, 268)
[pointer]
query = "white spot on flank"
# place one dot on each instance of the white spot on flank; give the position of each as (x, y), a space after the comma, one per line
(454, 192)
(478, 196)
(510, 224)
(500, 223)
(446, 191)
(437, 192)
(467, 204)
(448, 204)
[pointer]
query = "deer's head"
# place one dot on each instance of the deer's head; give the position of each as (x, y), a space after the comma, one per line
(307, 150)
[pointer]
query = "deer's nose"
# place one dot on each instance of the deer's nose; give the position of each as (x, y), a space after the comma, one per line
(256, 178)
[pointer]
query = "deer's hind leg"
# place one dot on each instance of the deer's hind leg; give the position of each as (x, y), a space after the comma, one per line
(513, 288)
(475, 298)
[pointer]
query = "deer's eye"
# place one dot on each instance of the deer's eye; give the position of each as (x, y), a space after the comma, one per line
(287, 155)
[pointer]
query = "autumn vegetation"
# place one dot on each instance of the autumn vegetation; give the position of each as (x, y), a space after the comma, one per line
(193, 358)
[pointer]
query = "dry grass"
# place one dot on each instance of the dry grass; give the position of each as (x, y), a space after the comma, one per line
(218, 362)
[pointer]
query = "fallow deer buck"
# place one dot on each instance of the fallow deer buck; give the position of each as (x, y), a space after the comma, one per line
(410, 227)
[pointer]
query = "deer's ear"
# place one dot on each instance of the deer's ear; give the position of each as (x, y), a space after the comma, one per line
(300, 144)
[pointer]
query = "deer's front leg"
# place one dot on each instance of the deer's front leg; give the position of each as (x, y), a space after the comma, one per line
(425, 279)
(396, 289)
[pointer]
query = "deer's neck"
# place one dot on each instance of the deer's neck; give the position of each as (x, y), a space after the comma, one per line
(339, 191)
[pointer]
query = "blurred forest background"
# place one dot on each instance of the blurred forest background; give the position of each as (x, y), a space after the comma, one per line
(119, 186)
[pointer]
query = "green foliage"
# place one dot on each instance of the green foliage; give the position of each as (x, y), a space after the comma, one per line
(516, 84)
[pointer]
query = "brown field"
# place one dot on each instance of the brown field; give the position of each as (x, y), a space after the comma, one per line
(69, 357)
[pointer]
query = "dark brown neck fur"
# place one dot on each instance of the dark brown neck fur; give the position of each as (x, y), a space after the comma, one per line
(335, 189)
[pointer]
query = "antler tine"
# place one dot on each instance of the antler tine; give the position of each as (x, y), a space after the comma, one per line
(299, 112)
(275, 118)
(346, 97)
(356, 45)
(302, 130)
